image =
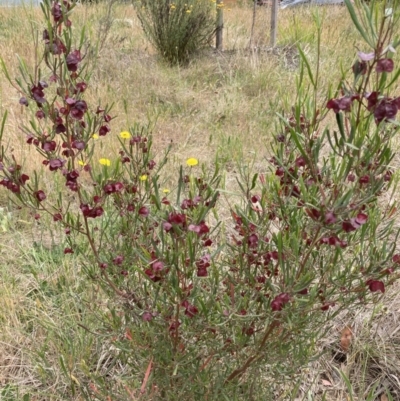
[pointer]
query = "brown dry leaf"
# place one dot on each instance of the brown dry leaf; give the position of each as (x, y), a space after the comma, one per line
(146, 376)
(128, 335)
(181, 347)
(384, 397)
(346, 337)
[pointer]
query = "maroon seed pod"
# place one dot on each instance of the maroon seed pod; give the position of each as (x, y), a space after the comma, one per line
(376, 285)
(40, 195)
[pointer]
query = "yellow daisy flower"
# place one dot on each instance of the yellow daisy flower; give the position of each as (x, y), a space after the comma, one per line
(191, 162)
(125, 135)
(105, 162)
(143, 177)
(95, 136)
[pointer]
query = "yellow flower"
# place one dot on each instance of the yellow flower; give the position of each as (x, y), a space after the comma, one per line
(95, 136)
(125, 135)
(173, 7)
(188, 11)
(143, 177)
(105, 162)
(166, 191)
(191, 162)
(81, 163)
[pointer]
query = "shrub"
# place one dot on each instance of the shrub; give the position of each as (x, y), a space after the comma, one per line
(204, 315)
(177, 29)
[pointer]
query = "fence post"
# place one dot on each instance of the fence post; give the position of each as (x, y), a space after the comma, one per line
(220, 24)
(274, 22)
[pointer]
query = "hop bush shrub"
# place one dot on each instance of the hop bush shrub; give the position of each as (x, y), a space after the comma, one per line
(177, 29)
(209, 314)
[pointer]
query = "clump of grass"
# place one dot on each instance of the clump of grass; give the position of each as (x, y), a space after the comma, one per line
(177, 29)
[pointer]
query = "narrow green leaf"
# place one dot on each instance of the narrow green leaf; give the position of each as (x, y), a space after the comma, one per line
(356, 22)
(4, 69)
(339, 120)
(62, 363)
(3, 122)
(307, 64)
(394, 79)
(82, 39)
(254, 181)
(349, 145)
(241, 186)
(347, 382)
(333, 147)
(295, 136)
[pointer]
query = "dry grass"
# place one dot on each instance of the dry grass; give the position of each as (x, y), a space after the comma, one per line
(233, 95)
(222, 103)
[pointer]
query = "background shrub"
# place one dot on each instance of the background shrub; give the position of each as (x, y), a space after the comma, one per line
(177, 29)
